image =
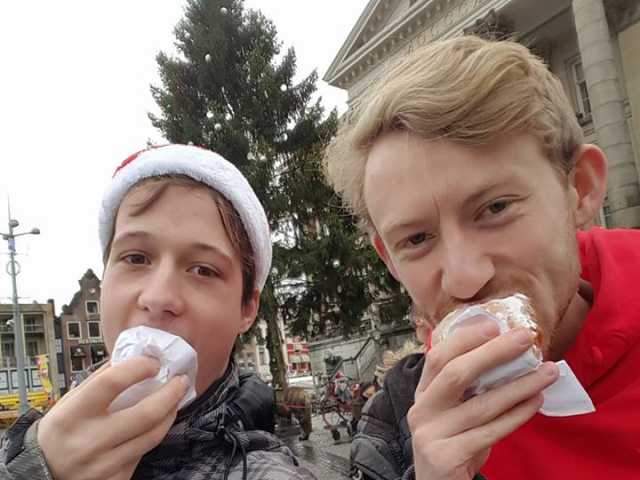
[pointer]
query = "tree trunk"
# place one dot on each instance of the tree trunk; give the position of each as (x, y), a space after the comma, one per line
(277, 364)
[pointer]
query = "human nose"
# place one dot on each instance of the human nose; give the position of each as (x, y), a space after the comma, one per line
(161, 295)
(466, 268)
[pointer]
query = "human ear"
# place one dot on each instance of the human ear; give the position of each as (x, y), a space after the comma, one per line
(250, 311)
(382, 252)
(587, 184)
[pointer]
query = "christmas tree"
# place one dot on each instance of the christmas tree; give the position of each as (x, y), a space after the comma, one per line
(231, 89)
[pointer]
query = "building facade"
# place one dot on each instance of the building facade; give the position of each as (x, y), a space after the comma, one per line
(591, 45)
(82, 342)
(38, 340)
(253, 355)
(298, 359)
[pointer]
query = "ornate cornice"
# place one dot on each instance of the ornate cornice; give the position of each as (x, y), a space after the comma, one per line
(424, 21)
(621, 14)
(493, 26)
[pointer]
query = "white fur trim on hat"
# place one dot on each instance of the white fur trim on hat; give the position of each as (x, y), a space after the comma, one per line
(203, 166)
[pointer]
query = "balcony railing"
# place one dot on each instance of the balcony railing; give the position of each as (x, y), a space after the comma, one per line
(4, 328)
(10, 362)
(34, 328)
(28, 328)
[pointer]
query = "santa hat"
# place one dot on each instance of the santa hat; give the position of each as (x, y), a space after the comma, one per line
(205, 167)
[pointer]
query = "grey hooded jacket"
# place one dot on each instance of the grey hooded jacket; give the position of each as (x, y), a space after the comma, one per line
(382, 449)
(216, 437)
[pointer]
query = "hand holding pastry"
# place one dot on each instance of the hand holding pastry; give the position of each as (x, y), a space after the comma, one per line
(81, 439)
(451, 437)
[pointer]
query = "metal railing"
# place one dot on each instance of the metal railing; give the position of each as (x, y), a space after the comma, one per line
(356, 366)
(28, 328)
(33, 328)
(12, 362)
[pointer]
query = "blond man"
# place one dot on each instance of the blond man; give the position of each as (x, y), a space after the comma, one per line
(469, 170)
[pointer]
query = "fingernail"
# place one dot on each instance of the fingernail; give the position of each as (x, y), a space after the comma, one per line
(549, 369)
(523, 336)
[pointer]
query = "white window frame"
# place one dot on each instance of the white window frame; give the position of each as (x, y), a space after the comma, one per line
(579, 100)
(86, 307)
(89, 322)
(79, 330)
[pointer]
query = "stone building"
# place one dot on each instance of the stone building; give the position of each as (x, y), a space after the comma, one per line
(38, 339)
(253, 355)
(591, 45)
(298, 360)
(82, 341)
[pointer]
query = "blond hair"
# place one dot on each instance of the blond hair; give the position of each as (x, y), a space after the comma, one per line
(465, 89)
(391, 358)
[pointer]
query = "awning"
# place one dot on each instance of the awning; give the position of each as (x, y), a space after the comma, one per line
(78, 352)
(99, 351)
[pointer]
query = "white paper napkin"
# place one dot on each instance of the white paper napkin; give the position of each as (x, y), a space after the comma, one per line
(176, 357)
(565, 397)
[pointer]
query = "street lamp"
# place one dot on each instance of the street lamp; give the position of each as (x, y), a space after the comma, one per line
(17, 319)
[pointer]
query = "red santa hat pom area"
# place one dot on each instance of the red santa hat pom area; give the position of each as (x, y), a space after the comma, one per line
(205, 167)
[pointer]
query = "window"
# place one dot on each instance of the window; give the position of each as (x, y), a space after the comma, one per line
(73, 329)
(93, 308)
(583, 104)
(94, 329)
(6, 324)
(77, 364)
(32, 348)
(33, 323)
(262, 356)
(98, 353)
(8, 350)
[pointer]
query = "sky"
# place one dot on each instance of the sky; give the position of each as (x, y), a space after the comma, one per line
(74, 98)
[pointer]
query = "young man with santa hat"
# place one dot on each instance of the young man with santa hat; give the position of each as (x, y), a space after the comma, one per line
(187, 251)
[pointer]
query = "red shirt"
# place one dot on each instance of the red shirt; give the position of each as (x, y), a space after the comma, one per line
(606, 360)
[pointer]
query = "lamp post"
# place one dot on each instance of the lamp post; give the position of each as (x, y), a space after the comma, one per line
(17, 319)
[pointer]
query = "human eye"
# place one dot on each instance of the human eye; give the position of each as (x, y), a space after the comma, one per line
(415, 242)
(496, 209)
(417, 239)
(204, 271)
(136, 259)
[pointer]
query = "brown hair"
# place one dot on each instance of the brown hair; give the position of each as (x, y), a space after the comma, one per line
(231, 221)
(465, 89)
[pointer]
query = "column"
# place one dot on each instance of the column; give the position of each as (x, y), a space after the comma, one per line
(601, 74)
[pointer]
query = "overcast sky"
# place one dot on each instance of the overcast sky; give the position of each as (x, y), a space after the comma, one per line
(74, 97)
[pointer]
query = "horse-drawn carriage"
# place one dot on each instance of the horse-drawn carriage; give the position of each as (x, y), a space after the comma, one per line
(341, 402)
